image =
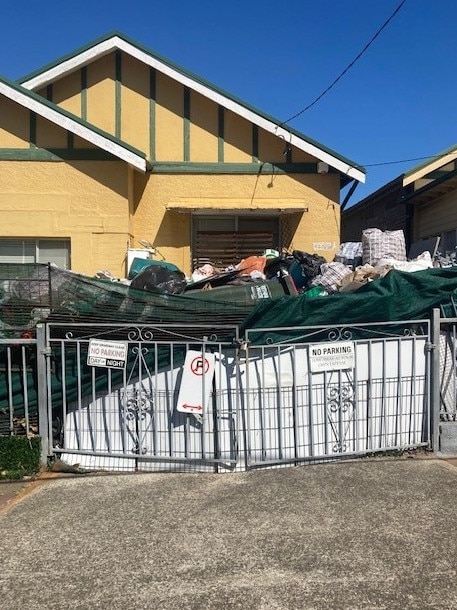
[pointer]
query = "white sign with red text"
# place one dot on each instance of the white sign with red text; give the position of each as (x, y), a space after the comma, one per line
(196, 382)
(107, 354)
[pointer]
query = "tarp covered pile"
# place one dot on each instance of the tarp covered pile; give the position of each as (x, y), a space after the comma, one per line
(31, 293)
(368, 281)
(398, 296)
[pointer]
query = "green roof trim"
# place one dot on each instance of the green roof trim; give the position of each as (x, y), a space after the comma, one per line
(55, 154)
(197, 79)
(430, 160)
(431, 185)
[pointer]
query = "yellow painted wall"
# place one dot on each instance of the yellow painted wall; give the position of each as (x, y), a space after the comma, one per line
(14, 125)
(101, 93)
(170, 231)
(237, 139)
(272, 148)
(203, 129)
(135, 103)
(66, 93)
(169, 134)
(80, 143)
(83, 201)
(49, 135)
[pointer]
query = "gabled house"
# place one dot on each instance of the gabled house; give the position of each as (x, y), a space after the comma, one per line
(421, 201)
(114, 146)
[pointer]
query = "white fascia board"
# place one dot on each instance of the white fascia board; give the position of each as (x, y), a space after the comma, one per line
(115, 43)
(432, 166)
(73, 126)
(70, 65)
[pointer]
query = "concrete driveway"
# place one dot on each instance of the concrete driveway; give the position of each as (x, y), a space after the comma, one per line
(370, 534)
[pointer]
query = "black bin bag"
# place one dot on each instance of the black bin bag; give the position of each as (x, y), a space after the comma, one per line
(155, 278)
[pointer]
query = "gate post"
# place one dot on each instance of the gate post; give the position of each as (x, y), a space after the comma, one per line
(435, 405)
(42, 394)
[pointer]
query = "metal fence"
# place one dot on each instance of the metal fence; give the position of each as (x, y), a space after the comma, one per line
(197, 398)
(18, 380)
(444, 372)
(337, 391)
(129, 417)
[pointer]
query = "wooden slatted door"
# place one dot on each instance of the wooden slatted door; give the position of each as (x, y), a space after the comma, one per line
(225, 248)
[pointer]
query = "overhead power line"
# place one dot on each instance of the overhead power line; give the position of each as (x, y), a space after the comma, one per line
(365, 48)
(429, 157)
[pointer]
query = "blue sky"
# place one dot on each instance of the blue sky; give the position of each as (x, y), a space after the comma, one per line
(397, 103)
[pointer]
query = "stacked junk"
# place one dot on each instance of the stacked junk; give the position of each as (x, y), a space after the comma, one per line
(159, 292)
(274, 274)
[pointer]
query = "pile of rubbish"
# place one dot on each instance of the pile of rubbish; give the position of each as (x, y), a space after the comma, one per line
(358, 263)
(255, 277)
(273, 273)
(159, 292)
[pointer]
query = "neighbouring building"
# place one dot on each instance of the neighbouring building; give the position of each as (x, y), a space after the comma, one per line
(422, 202)
(114, 147)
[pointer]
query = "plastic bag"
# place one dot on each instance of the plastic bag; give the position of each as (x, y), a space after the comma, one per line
(155, 278)
(306, 268)
(350, 253)
(377, 244)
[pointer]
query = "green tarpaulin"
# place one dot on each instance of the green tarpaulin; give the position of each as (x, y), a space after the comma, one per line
(397, 296)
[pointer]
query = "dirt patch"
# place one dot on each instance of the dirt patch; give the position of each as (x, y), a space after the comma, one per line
(12, 492)
(451, 461)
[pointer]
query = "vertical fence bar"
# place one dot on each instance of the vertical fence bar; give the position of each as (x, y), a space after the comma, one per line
(311, 406)
(263, 409)
(435, 380)
(355, 405)
(234, 452)
(248, 431)
(399, 397)
(449, 341)
(26, 390)
(43, 413)
(369, 398)
(9, 367)
(205, 406)
(295, 402)
(279, 395)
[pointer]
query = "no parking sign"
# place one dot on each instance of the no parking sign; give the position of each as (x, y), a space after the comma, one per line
(196, 382)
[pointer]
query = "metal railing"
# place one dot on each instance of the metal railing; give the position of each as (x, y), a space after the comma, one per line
(308, 399)
(275, 398)
(18, 381)
(128, 417)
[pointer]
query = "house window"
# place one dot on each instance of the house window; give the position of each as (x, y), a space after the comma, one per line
(55, 251)
(226, 240)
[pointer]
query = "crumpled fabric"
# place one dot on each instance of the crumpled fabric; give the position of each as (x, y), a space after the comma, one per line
(331, 276)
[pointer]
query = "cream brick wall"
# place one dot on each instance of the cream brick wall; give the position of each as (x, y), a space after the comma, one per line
(83, 201)
(170, 231)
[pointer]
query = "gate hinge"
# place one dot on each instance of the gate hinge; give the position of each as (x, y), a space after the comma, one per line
(241, 344)
(429, 347)
(47, 351)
